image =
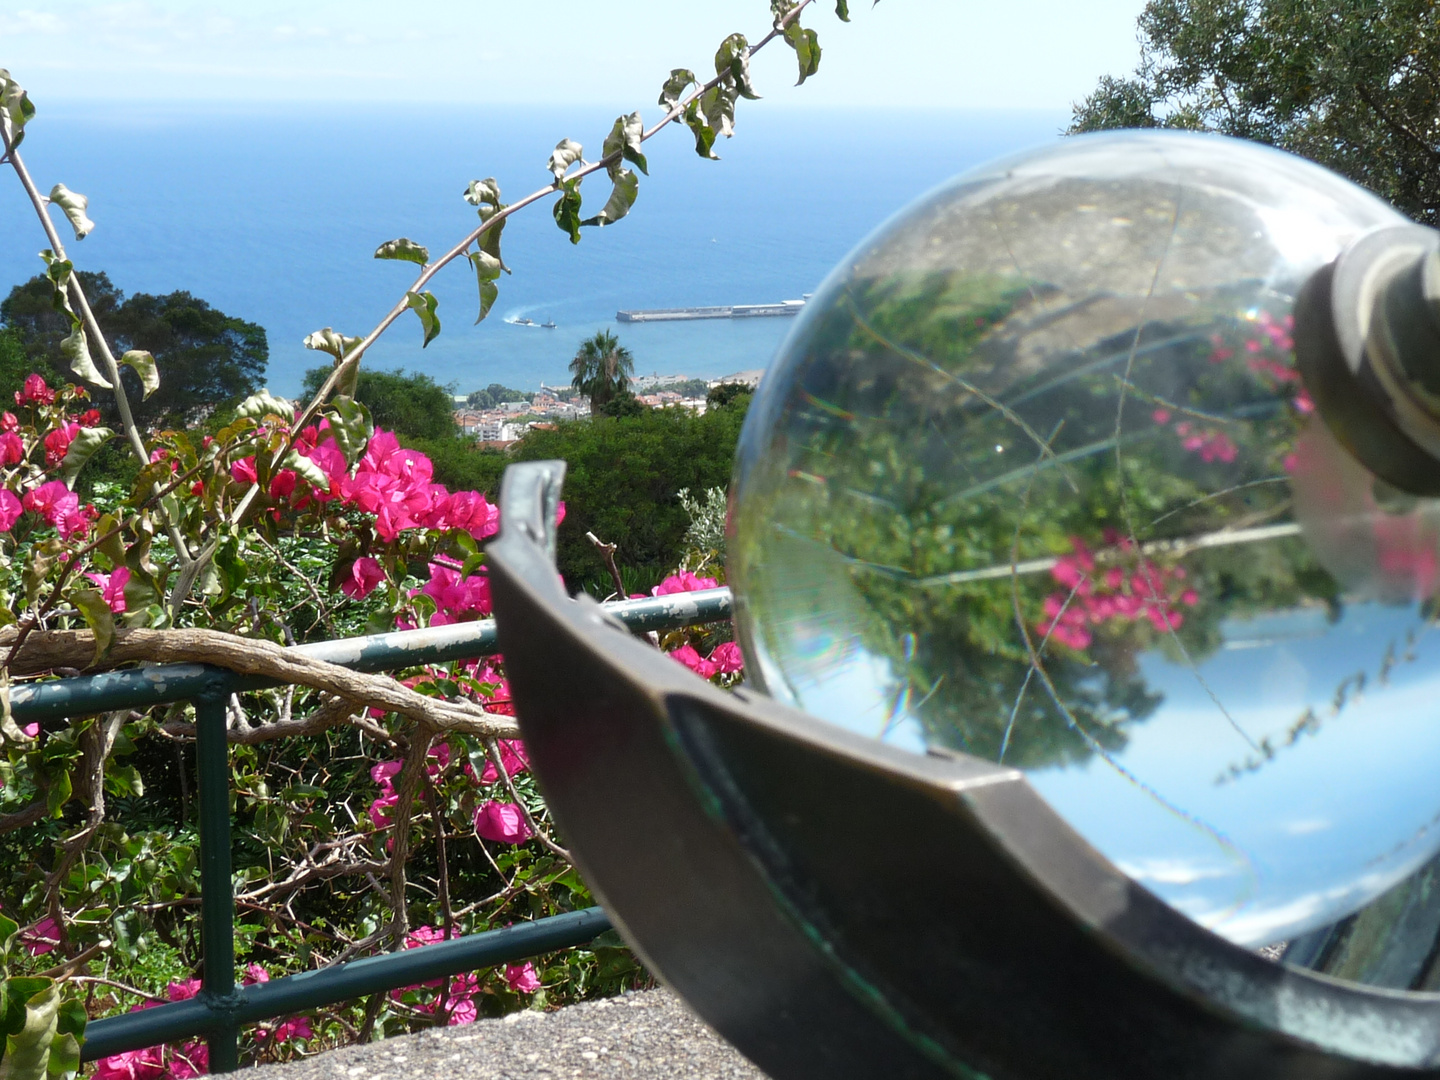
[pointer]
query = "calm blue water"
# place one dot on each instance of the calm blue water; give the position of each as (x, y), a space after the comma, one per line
(274, 218)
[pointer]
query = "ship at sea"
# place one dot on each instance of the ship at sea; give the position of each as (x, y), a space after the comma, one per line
(727, 311)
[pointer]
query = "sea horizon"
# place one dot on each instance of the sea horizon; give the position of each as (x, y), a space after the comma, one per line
(274, 218)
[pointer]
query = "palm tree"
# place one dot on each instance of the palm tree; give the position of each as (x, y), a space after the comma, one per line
(601, 369)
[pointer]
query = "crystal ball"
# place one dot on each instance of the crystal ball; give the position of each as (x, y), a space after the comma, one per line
(1035, 478)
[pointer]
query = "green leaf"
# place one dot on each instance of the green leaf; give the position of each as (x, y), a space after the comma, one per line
(351, 425)
(487, 270)
(842, 8)
(624, 139)
(74, 204)
(8, 929)
(567, 210)
(404, 249)
(627, 186)
(38, 563)
(483, 192)
(718, 105)
(112, 547)
(781, 8)
(76, 349)
(704, 133)
(64, 1057)
(260, 405)
(308, 471)
(733, 59)
(143, 364)
(98, 617)
(327, 340)
(15, 109)
(58, 795)
(424, 304)
(27, 1052)
(681, 79)
(82, 448)
(567, 152)
(807, 49)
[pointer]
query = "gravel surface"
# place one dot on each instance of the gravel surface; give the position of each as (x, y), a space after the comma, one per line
(638, 1036)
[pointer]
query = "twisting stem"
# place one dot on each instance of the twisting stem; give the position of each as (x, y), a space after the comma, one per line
(352, 358)
(92, 330)
(492, 748)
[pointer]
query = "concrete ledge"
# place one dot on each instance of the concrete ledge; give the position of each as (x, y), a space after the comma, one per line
(643, 1036)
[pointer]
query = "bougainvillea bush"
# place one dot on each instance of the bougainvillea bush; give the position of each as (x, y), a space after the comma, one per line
(372, 812)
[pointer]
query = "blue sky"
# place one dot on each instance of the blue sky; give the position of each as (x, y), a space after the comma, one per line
(1033, 54)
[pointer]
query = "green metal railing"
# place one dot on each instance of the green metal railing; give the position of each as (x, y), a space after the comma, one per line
(222, 1008)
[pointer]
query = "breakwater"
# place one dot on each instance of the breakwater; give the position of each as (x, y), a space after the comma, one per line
(728, 311)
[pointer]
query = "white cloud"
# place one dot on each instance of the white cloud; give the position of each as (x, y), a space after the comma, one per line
(27, 21)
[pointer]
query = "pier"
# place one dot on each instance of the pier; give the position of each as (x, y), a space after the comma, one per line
(728, 311)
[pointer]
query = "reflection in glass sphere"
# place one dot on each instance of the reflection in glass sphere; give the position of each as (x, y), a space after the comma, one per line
(1034, 478)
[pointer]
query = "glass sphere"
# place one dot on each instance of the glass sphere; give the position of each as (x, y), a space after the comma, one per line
(1034, 478)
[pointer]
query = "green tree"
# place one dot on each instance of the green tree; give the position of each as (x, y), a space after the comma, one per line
(727, 394)
(208, 359)
(623, 484)
(1351, 84)
(410, 404)
(495, 395)
(602, 369)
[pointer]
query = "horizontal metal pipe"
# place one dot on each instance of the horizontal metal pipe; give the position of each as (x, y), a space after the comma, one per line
(142, 687)
(341, 982)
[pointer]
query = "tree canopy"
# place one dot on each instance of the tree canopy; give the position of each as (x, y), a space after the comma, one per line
(496, 395)
(410, 403)
(1351, 84)
(209, 359)
(602, 369)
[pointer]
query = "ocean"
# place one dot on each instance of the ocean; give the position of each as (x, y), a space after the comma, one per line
(273, 216)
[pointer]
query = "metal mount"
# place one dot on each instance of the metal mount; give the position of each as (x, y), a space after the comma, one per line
(837, 908)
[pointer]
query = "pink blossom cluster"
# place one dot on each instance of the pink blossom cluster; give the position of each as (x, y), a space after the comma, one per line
(191, 1059)
(54, 502)
(1210, 444)
(456, 598)
(44, 935)
(1092, 598)
(503, 822)
(34, 391)
(723, 660)
(112, 587)
(462, 991)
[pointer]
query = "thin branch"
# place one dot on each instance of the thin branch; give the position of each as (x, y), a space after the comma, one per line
(607, 555)
(492, 749)
(45, 649)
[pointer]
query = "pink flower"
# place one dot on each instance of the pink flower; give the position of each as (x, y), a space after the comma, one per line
(52, 501)
(683, 581)
(112, 586)
(131, 1065)
(90, 418)
(512, 756)
(378, 816)
(1161, 416)
(298, 1028)
(456, 598)
(43, 937)
(12, 447)
(58, 442)
(8, 421)
(10, 509)
(192, 1060)
(383, 772)
(254, 973)
(687, 655)
(502, 822)
(183, 990)
(727, 658)
(522, 978)
(365, 574)
(34, 392)
(243, 471)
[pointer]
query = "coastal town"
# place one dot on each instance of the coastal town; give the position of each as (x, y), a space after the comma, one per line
(498, 424)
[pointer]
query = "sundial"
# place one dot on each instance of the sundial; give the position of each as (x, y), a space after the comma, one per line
(1085, 545)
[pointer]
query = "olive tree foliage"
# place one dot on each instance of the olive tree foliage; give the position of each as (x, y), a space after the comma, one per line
(278, 523)
(1351, 84)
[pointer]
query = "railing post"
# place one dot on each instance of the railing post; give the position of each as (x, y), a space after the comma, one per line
(217, 900)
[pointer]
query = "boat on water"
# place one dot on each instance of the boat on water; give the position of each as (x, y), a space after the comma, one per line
(548, 324)
(522, 321)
